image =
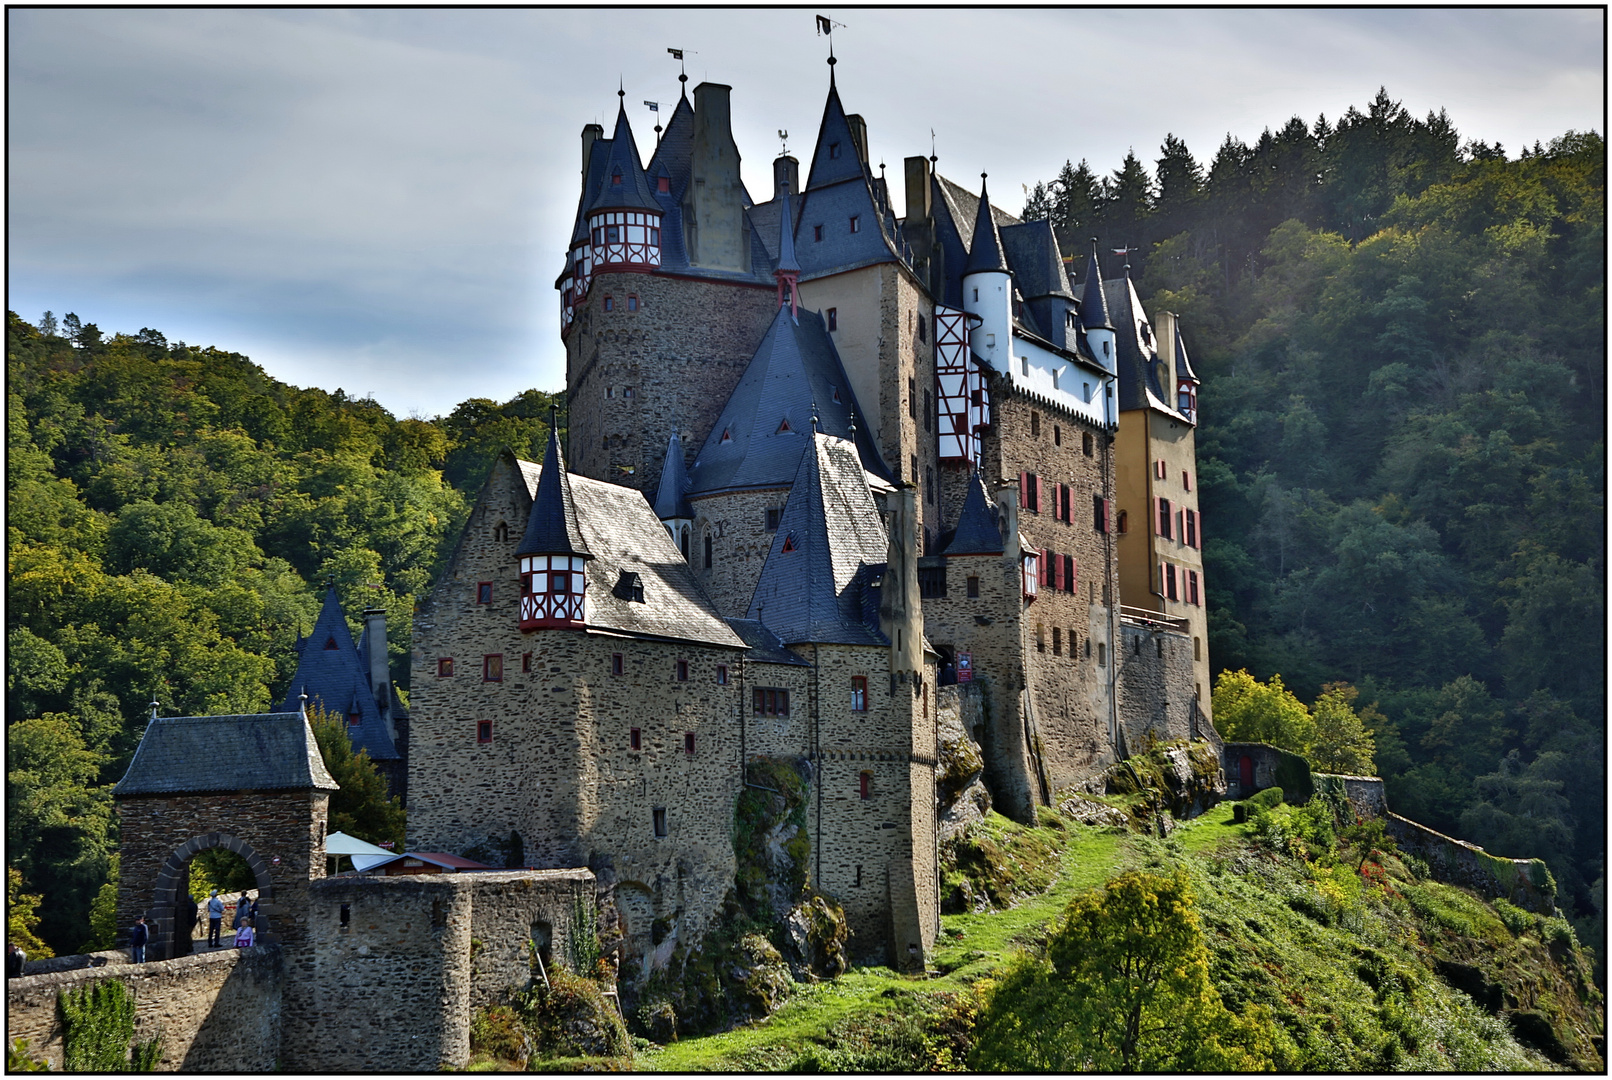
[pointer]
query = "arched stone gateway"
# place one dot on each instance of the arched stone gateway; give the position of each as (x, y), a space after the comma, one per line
(169, 932)
(254, 785)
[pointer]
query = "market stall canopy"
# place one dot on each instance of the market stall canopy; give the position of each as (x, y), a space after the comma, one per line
(365, 856)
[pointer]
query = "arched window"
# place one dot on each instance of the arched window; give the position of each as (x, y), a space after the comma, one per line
(708, 551)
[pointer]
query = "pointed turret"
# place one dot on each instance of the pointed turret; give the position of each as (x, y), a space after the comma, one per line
(671, 498)
(988, 290)
(788, 272)
(623, 186)
(335, 675)
(553, 555)
(1094, 314)
(985, 250)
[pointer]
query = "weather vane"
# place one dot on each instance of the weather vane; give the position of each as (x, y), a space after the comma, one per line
(783, 142)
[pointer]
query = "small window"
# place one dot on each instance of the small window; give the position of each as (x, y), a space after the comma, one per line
(663, 184)
(501, 532)
(492, 667)
(1086, 443)
(526, 662)
(789, 544)
(769, 701)
(610, 303)
(1057, 435)
(865, 786)
(1099, 513)
(615, 179)
(688, 742)
(817, 234)
(859, 875)
(722, 674)
(610, 392)
(330, 644)
(484, 592)
(632, 303)
(1186, 480)
(833, 318)
(773, 514)
(856, 223)
(1102, 655)
(1057, 641)
(635, 739)
(354, 719)
(682, 671)
(1040, 638)
(859, 693)
(1123, 523)
(1197, 648)
(659, 815)
(973, 587)
(346, 914)
(444, 665)
(976, 296)
(626, 391)
(1035, 424)
(615, 663)
(708, 551)
(783, 426)
(923, 329)
(484, 731)
(833, 151)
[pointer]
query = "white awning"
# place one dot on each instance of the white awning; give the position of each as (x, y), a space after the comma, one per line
(364, 854)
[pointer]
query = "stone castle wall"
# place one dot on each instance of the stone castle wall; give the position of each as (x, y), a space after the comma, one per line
(736, 523)
(680, 354)
(281, 835)
(215, 1012)
(1155, 685)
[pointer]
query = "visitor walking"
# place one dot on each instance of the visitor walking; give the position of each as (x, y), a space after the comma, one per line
(215, 919)
(138, 936)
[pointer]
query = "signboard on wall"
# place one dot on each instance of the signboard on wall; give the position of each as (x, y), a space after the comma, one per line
(965, 667)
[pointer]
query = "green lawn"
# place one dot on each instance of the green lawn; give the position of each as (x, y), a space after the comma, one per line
(970, 947)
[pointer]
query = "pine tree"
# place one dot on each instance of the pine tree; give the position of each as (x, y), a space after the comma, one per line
(362, 807)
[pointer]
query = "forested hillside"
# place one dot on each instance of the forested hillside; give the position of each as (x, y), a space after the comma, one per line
(1402, 454)
(1402, 465)
(172, 515)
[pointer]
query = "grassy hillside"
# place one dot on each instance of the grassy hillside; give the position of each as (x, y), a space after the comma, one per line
(1357, 975)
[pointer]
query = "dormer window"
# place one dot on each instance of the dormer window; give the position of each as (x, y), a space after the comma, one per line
(615, 179)
(630, 586)
(817, 234)
(789, 543)
(833, 151)
(836, 394)
(663, 184)
(552, 590)
(784, 426)
(727, 435)
(330, 644)
(856, 223)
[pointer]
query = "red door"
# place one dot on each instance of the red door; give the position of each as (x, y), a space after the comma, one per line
(1245, 774)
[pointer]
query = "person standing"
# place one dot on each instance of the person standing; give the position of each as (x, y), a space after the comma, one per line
(240, 911)
(16, 960)
(215, 919)
(138, 936)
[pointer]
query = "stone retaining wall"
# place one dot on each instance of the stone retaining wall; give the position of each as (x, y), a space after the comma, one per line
(216, 1012)
(1524, 882)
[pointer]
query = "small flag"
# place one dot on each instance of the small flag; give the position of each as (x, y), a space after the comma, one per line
(824, 26)
(677, 54)
(654, 106)
(1122, 251)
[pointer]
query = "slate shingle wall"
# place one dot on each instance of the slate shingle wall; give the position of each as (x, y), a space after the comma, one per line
(682, 352)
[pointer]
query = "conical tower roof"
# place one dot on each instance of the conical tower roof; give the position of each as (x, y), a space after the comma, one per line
(768, 420)
(829, 531)
(977, 532)
(631, 191)
(1093, 304)
(985, 251)
(552, 527)
(671, 498)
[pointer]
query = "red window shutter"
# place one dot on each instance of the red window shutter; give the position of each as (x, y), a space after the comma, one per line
(1057, 571)
(1024, 490)
(1039, 489)
(1108, 514)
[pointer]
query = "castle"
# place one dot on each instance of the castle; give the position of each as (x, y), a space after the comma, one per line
(823, 464)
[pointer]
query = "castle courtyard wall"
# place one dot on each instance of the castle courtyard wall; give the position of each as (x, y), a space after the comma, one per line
(215, 1012)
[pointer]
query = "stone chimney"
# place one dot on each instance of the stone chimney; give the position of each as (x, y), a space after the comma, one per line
(859, 134)
(785, 170)
(714, 204)
(380, 673)
(1164, 329)
(590, 134)
(900, 609)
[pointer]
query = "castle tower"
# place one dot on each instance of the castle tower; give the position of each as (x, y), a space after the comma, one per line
(553, 556)
(671, 497)
(988, 290)
(1094, 321)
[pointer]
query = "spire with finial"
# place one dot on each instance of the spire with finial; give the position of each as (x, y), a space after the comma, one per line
(816, 419)
(1093, 302)
(302, 701)
(153, 706)
(985, 253)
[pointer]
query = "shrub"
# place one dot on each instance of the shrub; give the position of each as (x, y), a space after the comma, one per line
(97, 1028)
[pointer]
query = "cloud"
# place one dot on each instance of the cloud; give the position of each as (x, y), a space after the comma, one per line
(380, 199)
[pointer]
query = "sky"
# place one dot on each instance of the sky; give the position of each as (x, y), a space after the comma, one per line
(379, 200)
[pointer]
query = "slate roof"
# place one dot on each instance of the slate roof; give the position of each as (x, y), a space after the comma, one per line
(985, 250)
(335, 674)
(786, 237)
(956, 212)
(551, 527)
(267, 752)
(1037, 263)
(820, 590)
(621, 156)
(1093, 303)
(765, 646)
(671, 497)
(838, 188)
(795, 367)
(623, 534)
(1183, 366)
(1143, 374)
(977, 531)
